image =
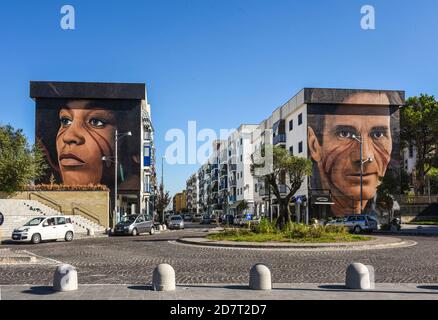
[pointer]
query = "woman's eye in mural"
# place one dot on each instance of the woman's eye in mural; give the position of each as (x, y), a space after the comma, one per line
(65, 122)
(97, 123)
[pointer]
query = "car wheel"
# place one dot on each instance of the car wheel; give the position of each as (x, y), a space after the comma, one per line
(68, 236)
(134, 232)
(152, 232)
(36, 238)
(357, 229)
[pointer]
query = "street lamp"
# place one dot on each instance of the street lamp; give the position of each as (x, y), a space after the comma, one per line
(362, 162)
(117, 136)
(162, 183)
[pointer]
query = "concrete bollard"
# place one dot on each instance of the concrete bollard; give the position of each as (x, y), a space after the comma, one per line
(160, 228)
(163, 278)
(164, 227)
(65, 278)
(260, 277)
(360, 276)
(90, 232)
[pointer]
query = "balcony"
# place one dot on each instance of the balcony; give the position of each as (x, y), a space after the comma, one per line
(233, 167)
(232, 198)
(279, 138)
(233, 182)
(263, 192)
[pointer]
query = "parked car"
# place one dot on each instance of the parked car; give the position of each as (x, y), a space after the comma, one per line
(44, 228)
(176, 222)
(205, 219)
(228, 219)
(238, 220)
(197, 218)
(214, 218)
(187, 217)
(357, 223)
(135, 225)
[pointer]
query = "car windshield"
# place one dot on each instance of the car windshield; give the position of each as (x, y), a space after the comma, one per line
(126, 219)
(175, 218)
(34, 222)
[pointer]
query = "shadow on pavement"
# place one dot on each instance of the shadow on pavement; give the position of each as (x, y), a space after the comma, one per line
(41, 291)
(428, 287)
(141, 288)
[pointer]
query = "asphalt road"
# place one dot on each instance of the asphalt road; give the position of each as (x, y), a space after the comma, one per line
(131, 260)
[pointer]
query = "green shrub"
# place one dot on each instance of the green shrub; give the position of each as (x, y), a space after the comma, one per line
(336, 229)
(265, 226)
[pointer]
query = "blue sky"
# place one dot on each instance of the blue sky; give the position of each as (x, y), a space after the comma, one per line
(220, 63)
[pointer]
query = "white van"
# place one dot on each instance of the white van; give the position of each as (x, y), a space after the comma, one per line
(44, 228)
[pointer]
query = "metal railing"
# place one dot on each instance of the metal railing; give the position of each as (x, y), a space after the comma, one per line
(77, 207)
(53, 203)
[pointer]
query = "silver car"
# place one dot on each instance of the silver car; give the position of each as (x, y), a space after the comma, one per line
(356, 223)
(176, 222)
(134, 225)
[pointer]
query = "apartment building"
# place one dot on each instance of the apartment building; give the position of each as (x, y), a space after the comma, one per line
(241, 181)
(192, 187)
(328, 127)
(180, 202)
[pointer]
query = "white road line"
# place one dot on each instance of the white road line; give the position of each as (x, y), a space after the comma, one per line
(41, 257)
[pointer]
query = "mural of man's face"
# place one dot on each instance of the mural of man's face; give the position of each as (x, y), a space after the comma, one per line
(84, 137)
(338, 154)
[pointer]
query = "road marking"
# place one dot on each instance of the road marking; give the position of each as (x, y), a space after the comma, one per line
(41, 257)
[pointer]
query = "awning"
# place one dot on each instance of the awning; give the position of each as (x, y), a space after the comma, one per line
(234, 205)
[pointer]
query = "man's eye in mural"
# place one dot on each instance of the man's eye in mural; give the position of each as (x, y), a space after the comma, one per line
(379, 133)
(345, 132)
(65, 122)
(97, 123)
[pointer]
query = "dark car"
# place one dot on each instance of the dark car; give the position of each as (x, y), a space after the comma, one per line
(205, 219)
(134, 225)
(228, 219)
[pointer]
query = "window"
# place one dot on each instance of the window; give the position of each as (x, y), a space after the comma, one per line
(411, 151)
(241, 158)
(255, 187)
(291, 150)
(300, 147)
(300, 118)
(60, 220)
(291, 125)
(241, 141)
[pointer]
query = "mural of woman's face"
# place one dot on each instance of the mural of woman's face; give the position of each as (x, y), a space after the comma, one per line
(85, 135)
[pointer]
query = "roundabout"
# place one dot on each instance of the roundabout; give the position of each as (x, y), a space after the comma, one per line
(377, 242)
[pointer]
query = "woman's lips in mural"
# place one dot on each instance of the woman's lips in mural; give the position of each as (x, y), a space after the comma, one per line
(71, 160)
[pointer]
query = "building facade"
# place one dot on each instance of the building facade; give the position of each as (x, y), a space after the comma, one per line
(331, 127)
(98, 134)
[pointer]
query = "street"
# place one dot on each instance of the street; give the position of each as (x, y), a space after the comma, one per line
(131, 260)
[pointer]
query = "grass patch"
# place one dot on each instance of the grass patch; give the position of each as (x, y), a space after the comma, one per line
(429, 222)
(292, 232)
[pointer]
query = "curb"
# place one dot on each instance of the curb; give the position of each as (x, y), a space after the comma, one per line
(371, 244)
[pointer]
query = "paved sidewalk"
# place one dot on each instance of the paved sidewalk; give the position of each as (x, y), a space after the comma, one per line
(299, 291)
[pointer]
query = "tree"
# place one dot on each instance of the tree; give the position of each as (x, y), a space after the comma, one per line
(389, 186)
(286, 170)
(162, 200)
(242, 206)
(418, 128)
(20, 163)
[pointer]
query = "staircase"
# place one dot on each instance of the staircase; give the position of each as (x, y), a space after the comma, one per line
(18, 212)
